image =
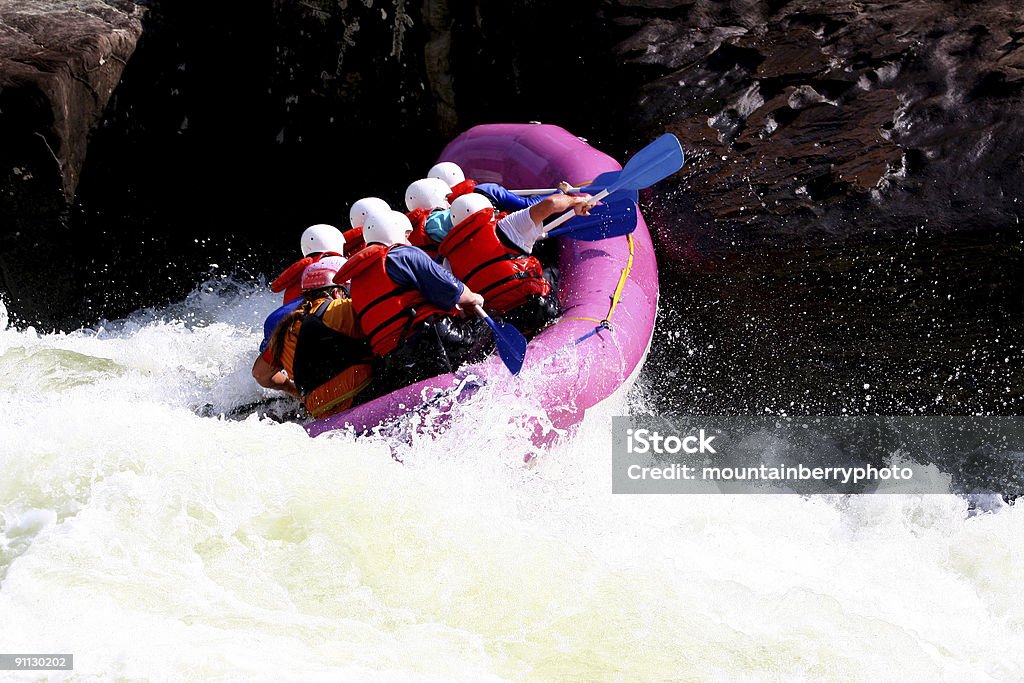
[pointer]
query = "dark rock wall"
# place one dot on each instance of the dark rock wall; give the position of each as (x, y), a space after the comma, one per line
(841, 117)
(845, 237)
(68, 59)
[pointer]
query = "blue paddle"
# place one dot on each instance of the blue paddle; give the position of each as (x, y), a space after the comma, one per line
(613, 217)
(510, 342)
(655, 162)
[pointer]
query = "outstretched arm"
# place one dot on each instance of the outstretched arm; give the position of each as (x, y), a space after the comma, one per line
(524, 227)
(557, 203)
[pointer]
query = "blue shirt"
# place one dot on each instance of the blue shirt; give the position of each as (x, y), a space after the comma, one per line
(411, 267)
(438, 224)
(270, 324)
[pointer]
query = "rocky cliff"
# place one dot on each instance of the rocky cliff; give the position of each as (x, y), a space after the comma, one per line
(841, 117)
(59, 64)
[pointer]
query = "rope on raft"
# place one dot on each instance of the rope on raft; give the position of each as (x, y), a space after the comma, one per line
(616, 297)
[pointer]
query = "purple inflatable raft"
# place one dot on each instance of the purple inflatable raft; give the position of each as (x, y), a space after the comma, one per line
(608, 290)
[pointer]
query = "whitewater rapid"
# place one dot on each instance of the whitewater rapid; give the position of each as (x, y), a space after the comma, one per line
(154, 542)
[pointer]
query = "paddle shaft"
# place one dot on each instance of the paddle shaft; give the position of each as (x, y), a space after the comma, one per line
(550, 190)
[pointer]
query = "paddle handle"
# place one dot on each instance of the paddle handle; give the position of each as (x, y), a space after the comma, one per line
(570, 213)
(481, 312)
(548, 190)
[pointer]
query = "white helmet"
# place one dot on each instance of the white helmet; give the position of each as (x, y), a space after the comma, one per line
(427, 193)
(321, 274)
(320, 238)
(447, 171)
(359, 212)
(468, 204)
(387, 229)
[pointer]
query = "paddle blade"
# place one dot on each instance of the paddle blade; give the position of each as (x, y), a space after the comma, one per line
(511, 344)
(606, 179)
(655, 162)
(600, 182)
(613, 217)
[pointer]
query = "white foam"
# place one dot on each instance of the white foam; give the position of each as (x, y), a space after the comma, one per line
(155, 543)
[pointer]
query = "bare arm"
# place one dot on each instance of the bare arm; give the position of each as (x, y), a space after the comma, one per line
(557, 203)
(266, 375)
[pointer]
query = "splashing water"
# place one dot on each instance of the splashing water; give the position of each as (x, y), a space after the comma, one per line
(155, 543)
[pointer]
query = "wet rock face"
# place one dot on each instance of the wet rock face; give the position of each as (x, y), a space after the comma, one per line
(66, 61)
(59, 64)
(837, 117)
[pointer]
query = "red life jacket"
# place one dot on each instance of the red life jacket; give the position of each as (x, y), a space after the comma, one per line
(419, 237)
(353, 241)
(387, 313)
(459, 189)
(503, 275)
(290, 281)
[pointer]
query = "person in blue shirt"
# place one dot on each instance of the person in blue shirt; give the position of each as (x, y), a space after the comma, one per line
(407, 306)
